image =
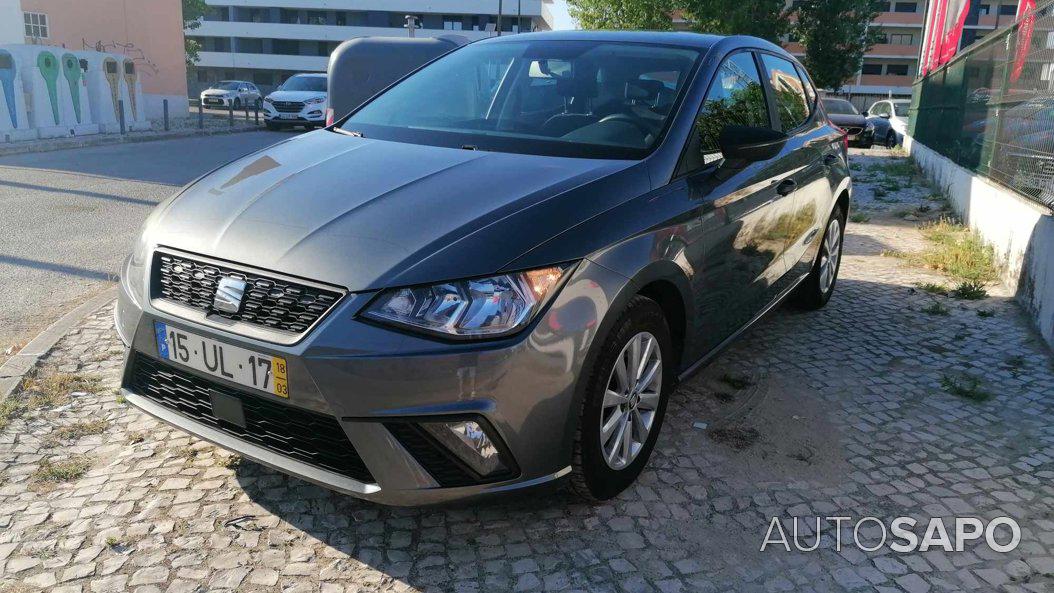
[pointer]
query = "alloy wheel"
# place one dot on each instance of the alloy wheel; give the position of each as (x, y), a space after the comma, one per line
(830, 255)
(631, 400)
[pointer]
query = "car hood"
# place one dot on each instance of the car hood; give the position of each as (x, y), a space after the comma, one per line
(366, 214)
(215, 92)
(847, 119)
(295, 95)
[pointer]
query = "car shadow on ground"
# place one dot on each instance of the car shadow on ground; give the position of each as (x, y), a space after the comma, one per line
(811, 414)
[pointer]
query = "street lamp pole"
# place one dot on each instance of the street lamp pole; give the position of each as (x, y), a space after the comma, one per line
(499, 18)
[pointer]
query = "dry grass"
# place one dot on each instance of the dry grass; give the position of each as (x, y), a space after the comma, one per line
(64, 470)
(75, 431)
(44, 392)
(955, 250)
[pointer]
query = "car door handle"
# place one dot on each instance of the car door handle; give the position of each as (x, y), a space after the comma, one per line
(786, 187)
(830, 159)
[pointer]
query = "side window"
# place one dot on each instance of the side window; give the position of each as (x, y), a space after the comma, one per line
(810, 92)
(791, 102)
(879, 108)
(735, 98)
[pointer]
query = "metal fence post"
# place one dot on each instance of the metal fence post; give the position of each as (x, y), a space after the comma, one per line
(256, 115)
(164, 105)
(201, 115)
(120, 114)
(246, 112)
(230, 114)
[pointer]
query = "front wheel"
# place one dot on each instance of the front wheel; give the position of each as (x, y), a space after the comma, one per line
(624, 402)
(891, 139)
(237, 104)
(818, 286)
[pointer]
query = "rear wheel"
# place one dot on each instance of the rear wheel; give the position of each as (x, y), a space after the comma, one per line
(818, 286)
(891, 139)
(624, 403)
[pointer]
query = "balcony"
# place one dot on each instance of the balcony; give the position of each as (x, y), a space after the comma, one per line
(911, 19)
(212, 59)
(529, 7)
(316, 32)
(896, 50)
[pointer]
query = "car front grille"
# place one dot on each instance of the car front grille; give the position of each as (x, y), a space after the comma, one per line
(303, 435)
(269, 302)
(287, 106)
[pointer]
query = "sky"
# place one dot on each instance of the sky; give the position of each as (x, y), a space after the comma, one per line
(560, 17)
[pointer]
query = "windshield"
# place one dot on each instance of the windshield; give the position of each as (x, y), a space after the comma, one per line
(562, 98)
(228, 85)
(901, 109)
(305, 83)
(840, 107)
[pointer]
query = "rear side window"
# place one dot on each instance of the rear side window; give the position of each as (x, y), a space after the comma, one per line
(735, 97)
(791, 102)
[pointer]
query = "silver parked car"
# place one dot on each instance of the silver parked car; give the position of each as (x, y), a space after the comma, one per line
(232, 93)
(490, 276)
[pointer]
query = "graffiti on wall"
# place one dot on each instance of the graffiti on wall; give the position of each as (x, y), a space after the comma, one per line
(143, 63)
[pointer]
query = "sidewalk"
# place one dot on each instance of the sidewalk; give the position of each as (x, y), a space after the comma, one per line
(840, 412)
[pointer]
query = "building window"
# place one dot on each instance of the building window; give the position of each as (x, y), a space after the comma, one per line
(315, 17)
(341, 18)
(984, 10)
(1007, 9)
(203, 75)
(452, 23)
(263, 77)
(897, 69)
(289, 16)
(36, 25)
(906, 7)
(901, 39)
(218, 13)
(870, 69)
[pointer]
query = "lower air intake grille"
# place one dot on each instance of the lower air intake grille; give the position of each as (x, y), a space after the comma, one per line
(432, 456)
(305, 436)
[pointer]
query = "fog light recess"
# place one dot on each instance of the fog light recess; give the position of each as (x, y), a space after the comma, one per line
(470, 443)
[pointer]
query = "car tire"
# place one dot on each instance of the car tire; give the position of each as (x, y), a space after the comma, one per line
(817, 288)
(237, 104)
(593, 477)
(868, 145)
(271, 126)
(891, 140)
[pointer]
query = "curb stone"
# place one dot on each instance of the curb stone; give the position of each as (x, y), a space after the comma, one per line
(114, 139)
(16, 367)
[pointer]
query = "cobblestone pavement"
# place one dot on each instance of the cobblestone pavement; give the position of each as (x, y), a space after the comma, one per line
(840, 412)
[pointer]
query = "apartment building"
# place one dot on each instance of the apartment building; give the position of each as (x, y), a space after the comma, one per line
(891, 66)
(265, 41)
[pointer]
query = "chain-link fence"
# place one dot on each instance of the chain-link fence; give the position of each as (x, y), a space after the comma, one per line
(991, 109)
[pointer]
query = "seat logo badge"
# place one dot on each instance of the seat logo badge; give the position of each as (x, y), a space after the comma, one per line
(229, 295)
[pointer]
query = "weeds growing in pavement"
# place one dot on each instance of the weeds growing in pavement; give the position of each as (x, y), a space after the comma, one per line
(932, 288)
(901, 167)
(75, 431)
(44, 392)
(936, 308)
(967, 387)
(985, 313)
(970, 291)
(956, 251)
(63, 470)
(859, 218)
(735, 382)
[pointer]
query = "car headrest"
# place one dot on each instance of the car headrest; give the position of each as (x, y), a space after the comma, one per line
(643, 90)
(577, 86)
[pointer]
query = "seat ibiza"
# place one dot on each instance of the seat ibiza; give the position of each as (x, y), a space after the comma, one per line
(491, 275)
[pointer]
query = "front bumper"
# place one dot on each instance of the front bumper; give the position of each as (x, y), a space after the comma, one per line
(367, 377)
(864, 138)
(310, 114)
(216, 102)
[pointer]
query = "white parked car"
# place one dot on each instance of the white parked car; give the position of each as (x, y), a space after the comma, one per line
(225, 93)
(894, 112)
(300, 101)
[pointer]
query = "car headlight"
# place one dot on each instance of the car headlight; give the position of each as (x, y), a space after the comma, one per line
(268, 100)
(476, 308)
(316, 100)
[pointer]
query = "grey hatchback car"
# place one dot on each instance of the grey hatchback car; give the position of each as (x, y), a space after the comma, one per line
(490, 276)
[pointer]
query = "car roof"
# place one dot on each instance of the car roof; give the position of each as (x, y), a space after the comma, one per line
(683, 39)
(311, 74)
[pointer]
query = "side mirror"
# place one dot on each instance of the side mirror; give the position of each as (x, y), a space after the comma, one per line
(884, 115)
(243, 89)
(750, 144)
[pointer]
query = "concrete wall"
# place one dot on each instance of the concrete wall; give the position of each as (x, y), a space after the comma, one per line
(11, 24)
(1021, 231)
(148, 31)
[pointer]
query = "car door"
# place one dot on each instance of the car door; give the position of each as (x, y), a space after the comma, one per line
(733, 247)
(800, 166)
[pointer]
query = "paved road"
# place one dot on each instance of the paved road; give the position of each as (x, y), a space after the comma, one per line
(68, 218)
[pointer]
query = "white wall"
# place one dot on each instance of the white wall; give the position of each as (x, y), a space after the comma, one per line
(12, 29)
(1021, 231)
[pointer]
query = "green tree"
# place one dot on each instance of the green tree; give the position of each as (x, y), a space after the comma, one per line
(649, 15)
(767, 19)
(836, 35)
(193, 11)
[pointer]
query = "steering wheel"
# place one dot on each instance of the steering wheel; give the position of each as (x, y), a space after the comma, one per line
(633, 121)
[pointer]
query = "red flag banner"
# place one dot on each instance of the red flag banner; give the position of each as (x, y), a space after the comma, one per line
(952, 29)
(1026, 13)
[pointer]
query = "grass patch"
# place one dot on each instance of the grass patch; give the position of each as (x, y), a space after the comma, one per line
(932, 288)
(75, 431)
(970, 291)
(735, 382)
(936, 308)
(956, 251)
(44, 392)
(64, 470)
(879, 192)
(966, 387)
(859, 217)
(136, 437)
(230, 461)
(985, 313)
(901, 167)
